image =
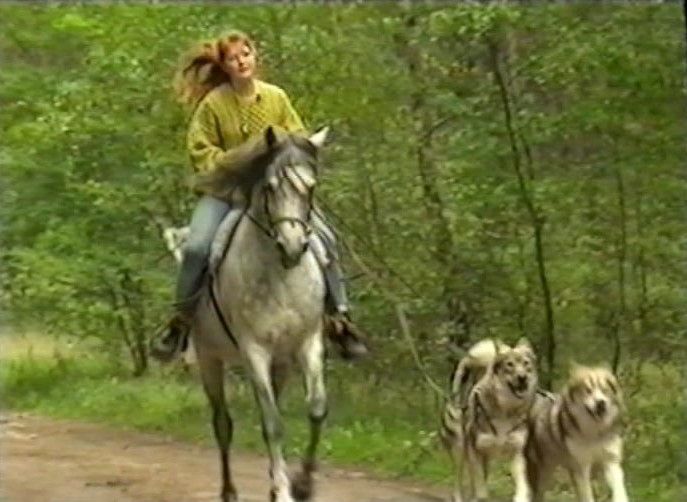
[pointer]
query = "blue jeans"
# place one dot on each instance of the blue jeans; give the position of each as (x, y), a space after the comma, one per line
(207, 216)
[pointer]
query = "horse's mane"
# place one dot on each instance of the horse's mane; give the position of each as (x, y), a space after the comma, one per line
(249, 164)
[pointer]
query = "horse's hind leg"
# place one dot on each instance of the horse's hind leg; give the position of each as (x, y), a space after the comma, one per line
(312, 362)
(279, 372)
(272, 428)
(212, 375)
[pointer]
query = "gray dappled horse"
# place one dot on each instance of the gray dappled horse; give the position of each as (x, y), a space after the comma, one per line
(264, 305)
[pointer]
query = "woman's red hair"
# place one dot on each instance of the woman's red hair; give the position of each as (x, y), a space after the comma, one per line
(201, 69)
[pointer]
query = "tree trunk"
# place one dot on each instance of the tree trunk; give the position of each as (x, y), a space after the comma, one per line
(520, 153)
(457, 301)
(620, 324)
(132, 296)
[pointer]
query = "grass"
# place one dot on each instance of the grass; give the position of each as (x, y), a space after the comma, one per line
(386, 429)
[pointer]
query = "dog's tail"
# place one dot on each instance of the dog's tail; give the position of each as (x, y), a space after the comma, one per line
(473, 366)
(467, 372)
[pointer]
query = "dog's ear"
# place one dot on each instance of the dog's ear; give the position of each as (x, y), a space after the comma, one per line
(575, 382)
(525, 344)
(500, 347)
(605, 365)
(612, 384)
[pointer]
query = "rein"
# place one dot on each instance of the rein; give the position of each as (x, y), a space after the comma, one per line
(268, 229)
(218, 311)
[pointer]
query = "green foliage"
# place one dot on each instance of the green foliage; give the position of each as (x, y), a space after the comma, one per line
(93, 148)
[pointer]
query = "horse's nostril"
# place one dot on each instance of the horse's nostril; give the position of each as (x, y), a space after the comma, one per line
(305, 246)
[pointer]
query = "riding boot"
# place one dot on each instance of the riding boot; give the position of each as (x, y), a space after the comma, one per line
(168, 344)
(349, 339)
(173, 340)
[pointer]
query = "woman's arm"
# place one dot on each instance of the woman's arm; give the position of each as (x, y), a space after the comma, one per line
(203, 139)
(205, 144)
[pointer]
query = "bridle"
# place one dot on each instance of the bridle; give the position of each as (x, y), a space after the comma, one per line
(269, 229)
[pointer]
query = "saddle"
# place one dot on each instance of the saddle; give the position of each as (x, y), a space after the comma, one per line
(341, 331)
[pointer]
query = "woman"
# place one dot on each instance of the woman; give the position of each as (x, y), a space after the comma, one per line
(232, 107)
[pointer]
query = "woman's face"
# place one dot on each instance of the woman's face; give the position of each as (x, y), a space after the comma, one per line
(240, 61)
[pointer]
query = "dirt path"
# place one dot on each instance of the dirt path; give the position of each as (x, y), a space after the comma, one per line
(57, 461)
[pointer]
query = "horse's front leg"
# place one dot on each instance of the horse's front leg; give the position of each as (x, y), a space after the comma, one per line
(312, 363)
(272, 428)
(212, 375)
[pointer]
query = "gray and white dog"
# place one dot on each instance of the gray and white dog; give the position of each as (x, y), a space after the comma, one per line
(493, 389)
(579, 429)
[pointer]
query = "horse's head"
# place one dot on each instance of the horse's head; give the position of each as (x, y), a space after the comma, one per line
(277, 173)
(288, 188)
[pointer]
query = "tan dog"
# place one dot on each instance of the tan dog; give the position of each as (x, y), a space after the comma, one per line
(579, 429)
(493, 389)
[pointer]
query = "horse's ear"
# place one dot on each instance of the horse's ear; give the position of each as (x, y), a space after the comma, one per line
(319, 138)
(270, 137)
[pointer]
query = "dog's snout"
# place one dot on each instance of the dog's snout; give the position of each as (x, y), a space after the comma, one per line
(601, 406)
(522, 380)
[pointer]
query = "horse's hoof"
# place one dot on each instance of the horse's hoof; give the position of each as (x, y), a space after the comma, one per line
(229, 497)
(276, 497)
(302, 487)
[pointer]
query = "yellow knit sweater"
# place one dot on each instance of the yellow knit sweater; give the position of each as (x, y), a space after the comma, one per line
(222, 122)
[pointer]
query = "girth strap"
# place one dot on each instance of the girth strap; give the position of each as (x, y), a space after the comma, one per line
(218, 310)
